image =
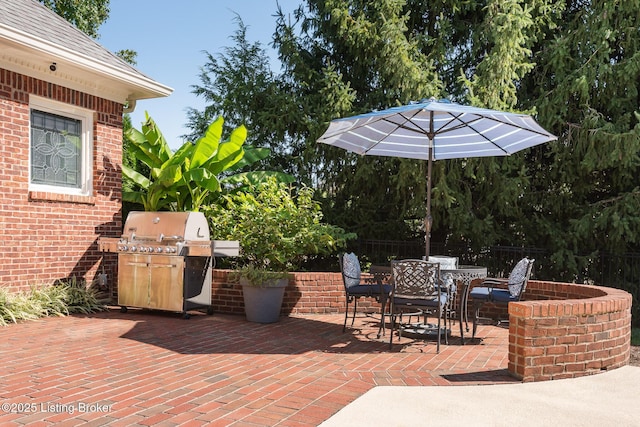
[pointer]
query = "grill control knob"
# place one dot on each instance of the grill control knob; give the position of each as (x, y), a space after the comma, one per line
(159, 250)
(123, 248)
(133, 249)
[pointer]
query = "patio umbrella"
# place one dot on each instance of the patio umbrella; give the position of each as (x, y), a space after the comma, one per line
(435, 130)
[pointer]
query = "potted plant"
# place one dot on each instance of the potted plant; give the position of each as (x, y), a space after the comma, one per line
(262, 292)
(278, 227)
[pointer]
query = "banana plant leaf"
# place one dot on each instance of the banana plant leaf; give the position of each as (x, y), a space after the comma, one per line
(206, 146)
(229, 152)
(169, 176)
(203, 178)
(133, 197)
(139, 179)
(155, 138)
(141, 148)
(251, 155)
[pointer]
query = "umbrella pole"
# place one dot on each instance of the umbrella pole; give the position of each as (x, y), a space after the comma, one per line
(428, 221)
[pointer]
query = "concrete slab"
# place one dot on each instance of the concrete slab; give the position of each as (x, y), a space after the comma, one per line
(606, 399)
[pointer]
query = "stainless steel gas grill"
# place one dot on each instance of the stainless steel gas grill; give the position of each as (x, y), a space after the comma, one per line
(165, 261)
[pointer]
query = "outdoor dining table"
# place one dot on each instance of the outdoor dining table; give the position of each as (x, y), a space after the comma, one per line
(463, 275)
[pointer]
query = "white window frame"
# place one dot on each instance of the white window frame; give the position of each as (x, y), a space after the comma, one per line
(86, 169)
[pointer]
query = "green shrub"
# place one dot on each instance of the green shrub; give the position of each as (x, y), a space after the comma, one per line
(277, 227)
(80, 298)
(5, 310)
(18, 306)
(60, 299)
(47, 301)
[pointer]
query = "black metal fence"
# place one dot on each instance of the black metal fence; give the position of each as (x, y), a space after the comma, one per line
(498, 259)
(621, 271)
(604, 269)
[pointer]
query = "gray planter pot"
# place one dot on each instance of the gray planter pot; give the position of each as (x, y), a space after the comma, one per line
(262, 304)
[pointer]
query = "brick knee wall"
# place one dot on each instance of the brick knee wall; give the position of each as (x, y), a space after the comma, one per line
(568, 330)
(307, 293)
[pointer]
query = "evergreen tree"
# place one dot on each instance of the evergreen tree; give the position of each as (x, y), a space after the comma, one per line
(240, 86)
(392, 52)
(586, 193)
(86, 15)
(352, 57)
(573, 64)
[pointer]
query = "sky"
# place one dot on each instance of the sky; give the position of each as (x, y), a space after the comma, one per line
(170, 39)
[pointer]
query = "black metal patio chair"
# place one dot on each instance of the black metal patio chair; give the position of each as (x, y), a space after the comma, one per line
(500, 290)
(375, 285)
(417, 290)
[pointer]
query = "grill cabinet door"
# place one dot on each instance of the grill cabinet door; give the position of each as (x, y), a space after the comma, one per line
(151, 281)
(166, 282)
(133, 280)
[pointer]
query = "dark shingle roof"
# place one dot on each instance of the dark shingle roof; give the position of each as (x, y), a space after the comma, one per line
(39, 21)
(37, 27)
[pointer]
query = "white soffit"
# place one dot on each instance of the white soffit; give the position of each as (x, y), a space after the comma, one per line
(26, 54)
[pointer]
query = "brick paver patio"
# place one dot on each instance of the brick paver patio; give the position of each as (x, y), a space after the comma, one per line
(154, 368)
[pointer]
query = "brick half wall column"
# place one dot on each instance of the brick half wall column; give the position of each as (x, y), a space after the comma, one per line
(581, 331)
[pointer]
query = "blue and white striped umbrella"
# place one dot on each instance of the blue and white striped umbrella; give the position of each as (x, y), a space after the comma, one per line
(435, 130)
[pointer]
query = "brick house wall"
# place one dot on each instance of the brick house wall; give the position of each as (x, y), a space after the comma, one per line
(48, 236)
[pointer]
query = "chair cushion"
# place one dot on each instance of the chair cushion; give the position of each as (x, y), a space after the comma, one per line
(480, 293)
(447, 279)
(351, 270)
(517, 277)
(448, 284)
(417, 302)
(491, 294)
(501, 295)
(386, 289)
(361, 290)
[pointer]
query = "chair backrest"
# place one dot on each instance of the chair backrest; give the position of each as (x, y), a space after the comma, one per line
(519, 277)
(415, 279)
(350, 268)
(380, 274)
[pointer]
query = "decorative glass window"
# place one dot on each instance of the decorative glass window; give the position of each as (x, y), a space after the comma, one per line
(56, 150)
(60, 152)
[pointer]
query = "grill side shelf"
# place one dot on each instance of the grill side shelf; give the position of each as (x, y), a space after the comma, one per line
(108, 244)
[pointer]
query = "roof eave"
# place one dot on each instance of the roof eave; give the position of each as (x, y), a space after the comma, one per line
(33, 56)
